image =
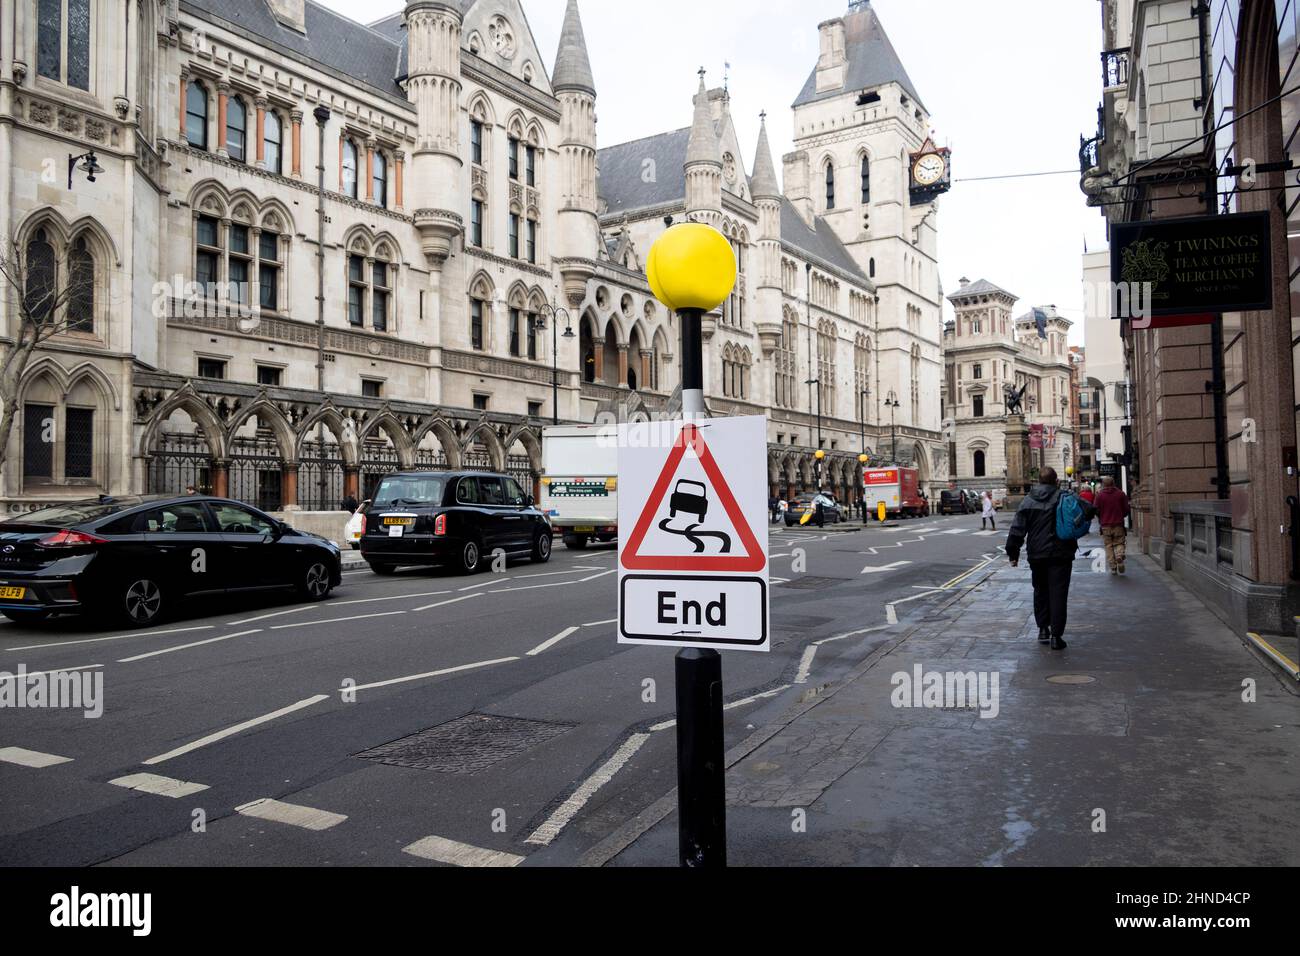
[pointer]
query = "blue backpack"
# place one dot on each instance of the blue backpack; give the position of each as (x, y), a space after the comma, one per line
(1071, 524)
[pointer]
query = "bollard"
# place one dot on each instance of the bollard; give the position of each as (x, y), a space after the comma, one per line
(701, 784)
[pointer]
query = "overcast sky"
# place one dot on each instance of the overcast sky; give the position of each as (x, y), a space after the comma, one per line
(1008, 88)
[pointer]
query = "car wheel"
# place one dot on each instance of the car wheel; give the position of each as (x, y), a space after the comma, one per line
(471, 558)
(575, 542)
(26, 617)
(383, 570)
(542, 548)
(140, 602)
(316, 584)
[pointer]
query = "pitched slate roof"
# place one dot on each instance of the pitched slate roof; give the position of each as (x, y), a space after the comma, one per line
(369, 57)
(818, 242)
(624, 169)
(872, 60)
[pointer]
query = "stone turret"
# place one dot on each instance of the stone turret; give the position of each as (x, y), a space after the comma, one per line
(578, 238)
(433, 86)
(766, 193)
(704, 164)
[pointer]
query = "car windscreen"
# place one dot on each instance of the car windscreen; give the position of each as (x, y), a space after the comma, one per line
(76, 513)
(409, 492)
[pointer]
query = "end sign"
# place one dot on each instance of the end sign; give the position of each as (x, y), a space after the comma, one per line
(693, 572)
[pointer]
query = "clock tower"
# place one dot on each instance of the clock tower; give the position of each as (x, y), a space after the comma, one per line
(864, 163)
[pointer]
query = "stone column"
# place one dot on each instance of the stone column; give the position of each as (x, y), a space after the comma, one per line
(289, 487)
(295, 117)
(598, 353)
(351, 486)
(399, 160)
(645, 381)
(184, 98)
(622, 366)
(223, 95)
(260, 103)
(370, 169)
(220, 478)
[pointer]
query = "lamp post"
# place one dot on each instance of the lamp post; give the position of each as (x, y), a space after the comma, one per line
(692, 270)
(555, 312)
(89, 165)
(863, 460)
(893, 404)
(863, 395)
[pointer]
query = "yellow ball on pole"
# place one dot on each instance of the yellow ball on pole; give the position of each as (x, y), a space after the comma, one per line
(691, 266)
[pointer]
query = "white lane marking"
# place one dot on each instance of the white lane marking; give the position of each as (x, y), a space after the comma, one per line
(452, 853)
(955, 531)
(267, 617)
(595, 576)
(307, 818)
(885, 569)
(547, 645)
(805, 664)
(557, 584)
(986, 534)
(780, 580)
(570, 808)
(30, 758)
(601, 623)
(237, 729)
(441, 673)
(891, 615)
(186, 647)
(430, 607)
(887, 547)
(526, 577)
(773, 557)
(116, 637)
(399, 597)
(857, 633)
(668, 724)
(60, 670)
(336, 620)
(158, 786)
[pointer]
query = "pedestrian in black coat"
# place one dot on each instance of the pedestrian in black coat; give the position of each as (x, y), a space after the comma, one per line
(1051, 559)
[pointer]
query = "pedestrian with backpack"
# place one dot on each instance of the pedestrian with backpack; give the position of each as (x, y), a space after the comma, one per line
(1048, 526)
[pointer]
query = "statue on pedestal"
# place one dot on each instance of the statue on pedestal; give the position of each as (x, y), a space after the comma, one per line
(1014, 398)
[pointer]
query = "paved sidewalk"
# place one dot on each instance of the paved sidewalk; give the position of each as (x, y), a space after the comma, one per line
(1150, 728)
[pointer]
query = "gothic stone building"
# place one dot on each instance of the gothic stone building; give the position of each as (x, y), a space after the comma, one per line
(318, 251)
(985, 350)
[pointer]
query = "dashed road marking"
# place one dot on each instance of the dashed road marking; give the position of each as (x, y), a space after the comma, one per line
(429, 675)
(30, 758)
(158, 786)
(237, 729)
(430, 607)
(336, 620)
(547, 645)
(548, 831)
(27, 675)
(115, 637)
(450, 852)
(308, 818)
(805, 664)
(267, 617)
(186, 647)
(399, 597)
(886, 568)
(601, 623)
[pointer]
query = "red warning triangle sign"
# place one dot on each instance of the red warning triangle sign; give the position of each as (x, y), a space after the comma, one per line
(750, 561)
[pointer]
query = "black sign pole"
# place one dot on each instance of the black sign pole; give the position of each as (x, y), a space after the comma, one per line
(701, 783)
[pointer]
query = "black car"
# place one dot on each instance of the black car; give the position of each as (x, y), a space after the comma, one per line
(133, 560)
(457, 519)
(953, 503)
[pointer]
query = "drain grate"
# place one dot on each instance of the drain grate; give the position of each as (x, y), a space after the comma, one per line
(468, 745)
(812, 584)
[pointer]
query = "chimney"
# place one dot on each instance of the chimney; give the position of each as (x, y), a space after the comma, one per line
(964, 282)
(797, 185)
(290, 13)
(834, 56)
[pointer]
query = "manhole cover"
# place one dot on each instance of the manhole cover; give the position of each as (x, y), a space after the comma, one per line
(811, 584)
(468, 745)
(1071, 679)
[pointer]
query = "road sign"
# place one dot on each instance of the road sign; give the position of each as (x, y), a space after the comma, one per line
(693, 571)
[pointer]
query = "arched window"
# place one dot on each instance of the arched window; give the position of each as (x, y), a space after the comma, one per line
(866, 180)
(350, 168)
(981, 468)
(41, 293)
(379, 181)
(272, 137)
(63, 41)
(871, 269)
(196, 115)
(480, 305)
(830, 185)
(81, 288)
(381, 293)
(236, 129)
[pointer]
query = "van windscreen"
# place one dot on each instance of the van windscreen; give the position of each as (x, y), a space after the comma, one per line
(409, 492)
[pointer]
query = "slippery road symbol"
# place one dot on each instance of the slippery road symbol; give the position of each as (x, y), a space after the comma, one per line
(691, 497)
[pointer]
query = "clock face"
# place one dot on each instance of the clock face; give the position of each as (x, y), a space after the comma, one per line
(929, 169)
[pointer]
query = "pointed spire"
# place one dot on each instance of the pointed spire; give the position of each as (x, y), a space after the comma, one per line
(763, 184)
(704, 145)
(572, 65)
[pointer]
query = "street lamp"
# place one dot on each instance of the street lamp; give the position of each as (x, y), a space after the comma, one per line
(863, 395)
(555, 312)
(89, 165)
(817, 468)
(893, 404)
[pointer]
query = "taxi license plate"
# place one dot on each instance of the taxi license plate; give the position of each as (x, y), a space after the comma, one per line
(400, 522)
(13, 594)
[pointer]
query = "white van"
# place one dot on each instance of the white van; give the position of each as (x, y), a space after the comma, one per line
(580, 482)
